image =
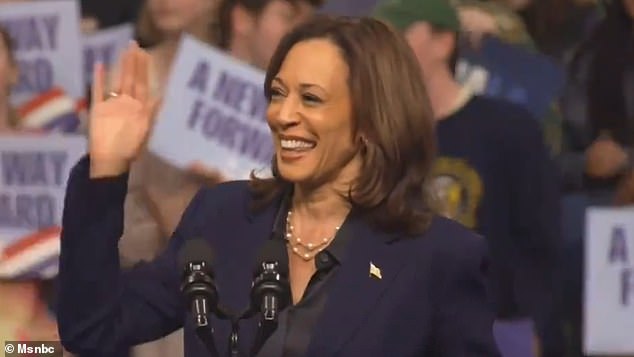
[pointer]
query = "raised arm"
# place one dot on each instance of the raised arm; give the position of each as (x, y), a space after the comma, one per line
(103, 309)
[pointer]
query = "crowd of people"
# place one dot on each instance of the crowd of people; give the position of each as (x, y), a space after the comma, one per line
(521, 182)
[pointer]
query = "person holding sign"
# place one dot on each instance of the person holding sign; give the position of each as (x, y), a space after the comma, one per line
(493, 173)
(25, 313)
(52, 110)
(372, 270)
(158, 192)
(161, 25)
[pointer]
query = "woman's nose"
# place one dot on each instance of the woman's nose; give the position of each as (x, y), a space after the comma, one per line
(289, 112)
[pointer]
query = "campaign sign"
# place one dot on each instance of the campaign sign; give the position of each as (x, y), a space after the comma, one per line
(33, 175)
(213, 113)
(47, 46)
(105, 47)
(506, 71)
(609, 282)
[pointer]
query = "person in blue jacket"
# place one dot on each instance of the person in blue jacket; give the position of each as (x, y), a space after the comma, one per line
(372, 270)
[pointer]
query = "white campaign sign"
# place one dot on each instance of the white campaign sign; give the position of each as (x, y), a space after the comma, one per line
(609, 281)
(47, 46)
(33, 175)
(213, 113)
(105, 47)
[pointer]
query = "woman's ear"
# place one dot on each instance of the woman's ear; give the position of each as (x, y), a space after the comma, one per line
(362, 142)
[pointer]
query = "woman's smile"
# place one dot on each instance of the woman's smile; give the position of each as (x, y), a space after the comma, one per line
(293, 148)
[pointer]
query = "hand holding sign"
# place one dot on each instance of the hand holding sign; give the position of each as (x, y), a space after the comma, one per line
(119, 125)
(605, 157)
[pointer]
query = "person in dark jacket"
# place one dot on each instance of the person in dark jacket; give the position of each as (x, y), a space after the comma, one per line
(372, 270)
(493, 174)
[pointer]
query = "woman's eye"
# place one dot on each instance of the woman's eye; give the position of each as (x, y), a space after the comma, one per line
(311, 99)
(276, 93)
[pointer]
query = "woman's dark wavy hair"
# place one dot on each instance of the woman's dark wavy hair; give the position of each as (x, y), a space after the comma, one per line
(391, 111)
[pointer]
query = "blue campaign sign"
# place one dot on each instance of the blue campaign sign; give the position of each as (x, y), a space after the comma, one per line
(511, 72)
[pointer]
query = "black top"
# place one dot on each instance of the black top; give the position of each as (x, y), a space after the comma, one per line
(493, 174)
(296, 323)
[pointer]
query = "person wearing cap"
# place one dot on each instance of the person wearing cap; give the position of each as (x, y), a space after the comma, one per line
(480, 19)
(493, 172)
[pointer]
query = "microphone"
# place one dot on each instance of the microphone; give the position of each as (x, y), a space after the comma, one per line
(270, 292)
(199, 288)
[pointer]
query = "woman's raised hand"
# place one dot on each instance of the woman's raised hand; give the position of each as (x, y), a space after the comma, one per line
(120, 121)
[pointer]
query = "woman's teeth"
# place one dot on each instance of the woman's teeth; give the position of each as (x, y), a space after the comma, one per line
(296, 144)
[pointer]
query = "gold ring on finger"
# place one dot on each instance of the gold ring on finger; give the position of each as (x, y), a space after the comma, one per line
(113, 95)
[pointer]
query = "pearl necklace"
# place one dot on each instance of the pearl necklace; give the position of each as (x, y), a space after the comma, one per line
(306, 251)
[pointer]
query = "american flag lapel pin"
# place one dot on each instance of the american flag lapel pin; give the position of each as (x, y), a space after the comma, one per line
(375, 271)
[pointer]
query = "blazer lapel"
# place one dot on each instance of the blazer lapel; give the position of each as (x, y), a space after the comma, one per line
(371, 264)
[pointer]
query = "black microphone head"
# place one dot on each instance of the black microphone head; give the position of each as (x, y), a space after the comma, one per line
(273, 251)
(195, 250)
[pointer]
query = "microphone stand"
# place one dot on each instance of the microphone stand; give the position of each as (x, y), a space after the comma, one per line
(234, 350)
(205, 334)
(225, 314)
(265, 330)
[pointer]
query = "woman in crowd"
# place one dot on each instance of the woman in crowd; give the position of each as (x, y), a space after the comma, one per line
(372, 270)
(158, 192)
(24, 312)
(161, 25)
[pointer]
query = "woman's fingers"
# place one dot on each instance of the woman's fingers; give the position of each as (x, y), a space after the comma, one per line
(98, 79)
(117, 81)
(141, 80)
(128, 72)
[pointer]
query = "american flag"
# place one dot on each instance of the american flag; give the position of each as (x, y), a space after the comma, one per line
(31, 256)
(51, 111)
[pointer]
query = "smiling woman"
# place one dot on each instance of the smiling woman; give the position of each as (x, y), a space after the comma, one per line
(371, 270)
(346, 110)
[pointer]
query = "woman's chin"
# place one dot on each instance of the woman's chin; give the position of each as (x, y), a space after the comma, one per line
(295, 175)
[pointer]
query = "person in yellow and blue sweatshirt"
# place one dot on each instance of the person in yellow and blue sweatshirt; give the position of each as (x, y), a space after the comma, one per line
(494, 173)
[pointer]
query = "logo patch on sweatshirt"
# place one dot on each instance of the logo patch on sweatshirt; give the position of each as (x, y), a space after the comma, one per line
(458, 188)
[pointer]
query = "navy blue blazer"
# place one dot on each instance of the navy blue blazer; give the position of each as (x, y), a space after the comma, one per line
(430, 302)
